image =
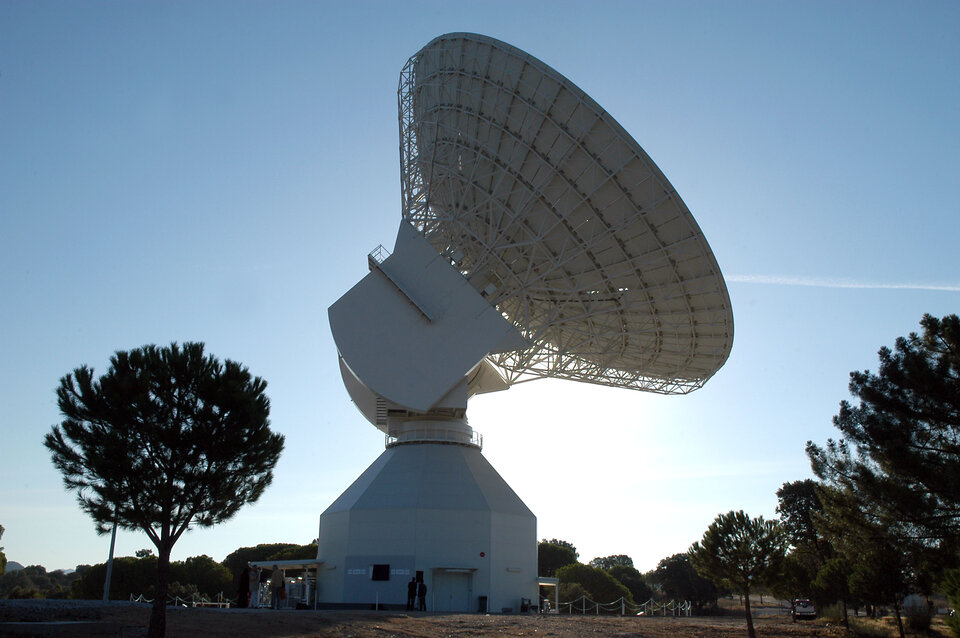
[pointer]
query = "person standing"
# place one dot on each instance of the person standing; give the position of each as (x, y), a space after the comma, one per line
(422, 596)
(411, 593)
(277, 586)
(243, 588)
(255, 587)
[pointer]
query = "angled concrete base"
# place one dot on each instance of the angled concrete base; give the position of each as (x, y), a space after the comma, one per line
(440, 512)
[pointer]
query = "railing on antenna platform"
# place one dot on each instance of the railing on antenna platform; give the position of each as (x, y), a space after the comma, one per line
(435, 435)
(376, 256)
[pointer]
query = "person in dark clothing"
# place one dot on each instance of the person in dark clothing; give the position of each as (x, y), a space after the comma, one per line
(411, 593)
(243, 588)
(422, 596)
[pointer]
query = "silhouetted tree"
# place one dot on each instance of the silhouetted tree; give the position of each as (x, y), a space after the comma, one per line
(832, 584)
(130, 576)
(877, 578)
(551, 557)
(606, 562)
(742, 552)
(880, 560)
(238, 558)
(199, 575)
(209, 576)
(797, 503)
(297, 552)
(603, 587)
(34, 581)
(798, 506)
(678, 580)
(632, 579)
(900, 451)
(562, 543)
(795, 578)
(167, 439)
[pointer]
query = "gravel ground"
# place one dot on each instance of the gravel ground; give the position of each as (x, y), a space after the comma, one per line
(129, 620)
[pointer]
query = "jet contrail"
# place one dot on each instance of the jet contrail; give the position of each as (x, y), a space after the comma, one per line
(836, 283)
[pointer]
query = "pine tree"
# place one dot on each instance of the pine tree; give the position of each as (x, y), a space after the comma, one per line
(740, 552)
(166, 439)
(900, 450)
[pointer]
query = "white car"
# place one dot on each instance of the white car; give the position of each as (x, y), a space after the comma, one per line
(803, 608)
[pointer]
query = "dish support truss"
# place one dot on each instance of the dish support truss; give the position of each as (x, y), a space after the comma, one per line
(608, 275)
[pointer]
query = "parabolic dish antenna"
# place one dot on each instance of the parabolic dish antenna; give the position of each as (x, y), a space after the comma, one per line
(537, 240)
(553, 211)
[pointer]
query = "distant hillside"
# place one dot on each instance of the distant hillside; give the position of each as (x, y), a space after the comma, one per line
(13, 566)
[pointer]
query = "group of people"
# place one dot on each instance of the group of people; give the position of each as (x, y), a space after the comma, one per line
(416, 591)
(249, 582)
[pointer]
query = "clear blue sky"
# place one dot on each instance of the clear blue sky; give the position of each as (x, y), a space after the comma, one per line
(218, 171)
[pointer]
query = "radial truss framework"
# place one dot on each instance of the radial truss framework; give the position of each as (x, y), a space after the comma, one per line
(556, 215)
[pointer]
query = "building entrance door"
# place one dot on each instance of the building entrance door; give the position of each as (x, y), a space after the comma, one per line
(451, 591)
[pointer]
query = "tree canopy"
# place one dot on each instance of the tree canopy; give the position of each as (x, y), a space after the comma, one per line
(562, 543)
(797, 503)
(800, 507)
(606, 562)
(551, 557)
(632, 579)
(680, 581)
(602, 587)
(34, 581)
(129, 576)
(832, 583)
(238, 558)
(200, 575)
(741, 552)
(900, 445)
(891, 484)
(166, 439)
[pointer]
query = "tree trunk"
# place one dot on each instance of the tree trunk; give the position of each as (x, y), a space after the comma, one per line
(896, 608)
(846, 621)
(158, 617)
(746, 606)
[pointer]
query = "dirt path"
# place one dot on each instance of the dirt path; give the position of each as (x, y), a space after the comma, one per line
(129, 620)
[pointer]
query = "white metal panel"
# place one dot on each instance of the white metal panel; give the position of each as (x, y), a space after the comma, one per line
(413, 328)
(432, 508)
